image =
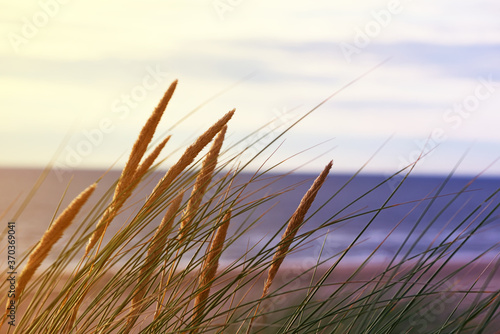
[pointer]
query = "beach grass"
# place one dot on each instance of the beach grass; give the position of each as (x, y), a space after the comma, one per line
(161, 272)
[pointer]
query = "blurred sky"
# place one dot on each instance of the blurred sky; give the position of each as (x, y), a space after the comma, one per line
(79, 67)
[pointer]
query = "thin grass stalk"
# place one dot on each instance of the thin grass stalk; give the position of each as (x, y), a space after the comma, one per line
(291, 230)
(199, 189)
(49, 238)
(293, 226)
(186, 159)
(202, 182)
(128, 178)
(209, 270)
(142, 142)
(157, 244)
(139, 174)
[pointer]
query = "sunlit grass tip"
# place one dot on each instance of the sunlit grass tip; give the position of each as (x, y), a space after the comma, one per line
(131, 173)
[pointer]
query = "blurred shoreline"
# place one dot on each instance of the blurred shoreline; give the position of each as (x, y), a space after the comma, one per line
(15, 184)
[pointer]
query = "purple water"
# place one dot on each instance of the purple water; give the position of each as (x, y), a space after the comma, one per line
(419, 210)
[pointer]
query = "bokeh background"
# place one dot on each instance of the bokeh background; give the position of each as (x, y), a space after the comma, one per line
(92, 71)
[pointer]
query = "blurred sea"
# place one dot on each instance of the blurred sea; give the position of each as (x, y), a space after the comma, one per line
(426, 215)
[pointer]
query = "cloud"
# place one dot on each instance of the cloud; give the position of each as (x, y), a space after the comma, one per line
(91, 53)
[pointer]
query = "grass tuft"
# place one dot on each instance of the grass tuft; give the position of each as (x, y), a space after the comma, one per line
(176, 265)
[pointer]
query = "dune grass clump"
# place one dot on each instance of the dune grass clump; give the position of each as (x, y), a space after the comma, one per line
(162, 270)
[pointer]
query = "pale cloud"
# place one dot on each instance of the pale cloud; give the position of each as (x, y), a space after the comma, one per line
(72, 70)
